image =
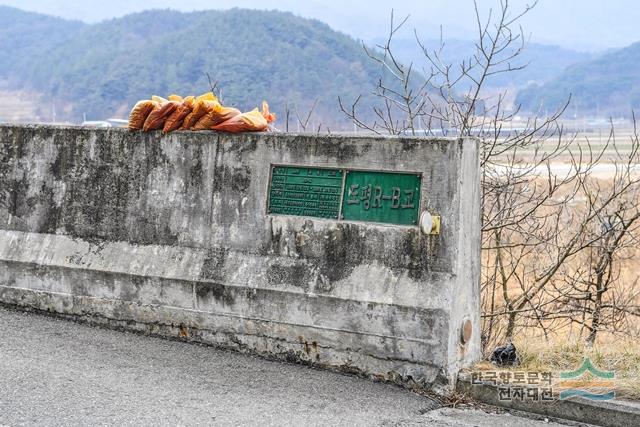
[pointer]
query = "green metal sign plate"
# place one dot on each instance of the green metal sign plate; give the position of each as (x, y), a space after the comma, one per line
(305, 191)
(392, 198)
(386, 197)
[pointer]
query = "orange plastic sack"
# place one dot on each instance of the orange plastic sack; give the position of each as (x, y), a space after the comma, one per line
(209, 96)
(269, 117)
(253, 121)
(140, 112)
(216, 116)
(175, 120)
(159, 99)
(200, 108)
(159, 115)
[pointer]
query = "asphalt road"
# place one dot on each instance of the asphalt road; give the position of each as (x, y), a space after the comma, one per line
(59, 373)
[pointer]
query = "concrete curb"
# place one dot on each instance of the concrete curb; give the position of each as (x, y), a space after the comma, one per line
(610, 413)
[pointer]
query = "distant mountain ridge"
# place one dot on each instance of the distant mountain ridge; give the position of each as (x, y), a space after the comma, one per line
(101, 69)
(24, 36)
(606, 86)
(542, 62)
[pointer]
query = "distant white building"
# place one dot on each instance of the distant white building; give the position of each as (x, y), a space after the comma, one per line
(105, 123)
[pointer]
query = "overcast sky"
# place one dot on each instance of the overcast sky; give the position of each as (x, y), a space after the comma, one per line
(579, 24)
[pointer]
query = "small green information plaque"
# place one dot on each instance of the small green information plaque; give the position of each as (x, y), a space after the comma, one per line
(387, 197)
(305, 191)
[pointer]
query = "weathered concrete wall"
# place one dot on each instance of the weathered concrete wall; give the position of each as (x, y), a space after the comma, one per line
(170, 235)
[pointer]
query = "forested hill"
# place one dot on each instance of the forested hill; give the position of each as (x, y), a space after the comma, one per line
(606, 86)
(541, 62)
(26, 36)
(102, 69)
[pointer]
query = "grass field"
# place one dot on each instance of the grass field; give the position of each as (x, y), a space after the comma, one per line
(18, 106)
(622, 356)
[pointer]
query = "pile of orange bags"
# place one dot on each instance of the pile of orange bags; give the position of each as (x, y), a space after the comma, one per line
(204, 112)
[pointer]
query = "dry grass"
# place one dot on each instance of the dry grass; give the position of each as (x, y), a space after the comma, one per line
(612, 354)
(18, 106)
(560, 346)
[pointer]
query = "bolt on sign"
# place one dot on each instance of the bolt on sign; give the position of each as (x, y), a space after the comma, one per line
(351, 195)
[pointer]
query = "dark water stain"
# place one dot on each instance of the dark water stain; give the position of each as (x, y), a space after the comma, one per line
(213, 265)
(294, 275)
(206, 293)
